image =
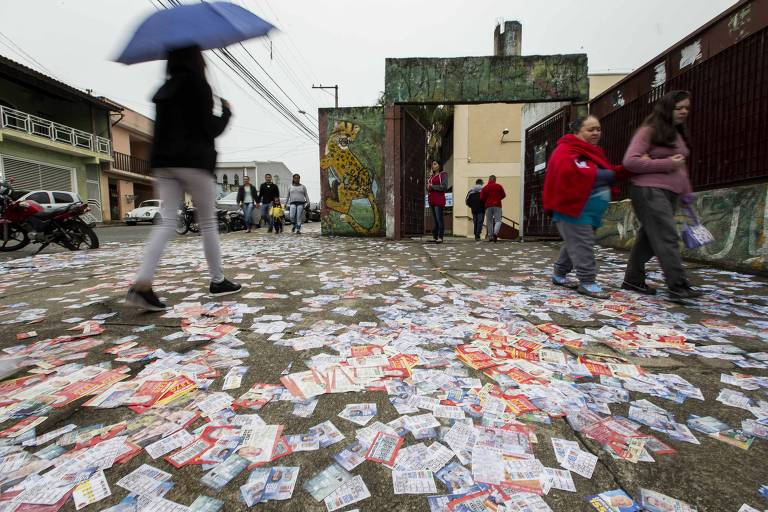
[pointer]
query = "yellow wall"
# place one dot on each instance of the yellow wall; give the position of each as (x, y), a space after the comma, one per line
(121, 141)
(598, 84)
(478, 153)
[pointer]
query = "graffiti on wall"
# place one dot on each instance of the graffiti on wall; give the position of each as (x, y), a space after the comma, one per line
(737, 217)
(352, 173)
(487, 79)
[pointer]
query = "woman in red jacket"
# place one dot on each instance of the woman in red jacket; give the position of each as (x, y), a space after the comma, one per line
(577, 189)
(437, 186)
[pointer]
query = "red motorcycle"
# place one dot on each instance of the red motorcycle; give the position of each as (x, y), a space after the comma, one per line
(22, 222)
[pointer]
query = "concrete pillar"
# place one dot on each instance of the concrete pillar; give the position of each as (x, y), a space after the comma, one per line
(509, 42)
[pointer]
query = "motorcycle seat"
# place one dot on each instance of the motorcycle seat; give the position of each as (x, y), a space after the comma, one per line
(47, 214)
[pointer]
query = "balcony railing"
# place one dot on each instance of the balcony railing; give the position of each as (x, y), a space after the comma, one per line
(130, 163)
(21, 121)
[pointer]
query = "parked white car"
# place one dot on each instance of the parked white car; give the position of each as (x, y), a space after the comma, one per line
(55, 199)
(148, 211)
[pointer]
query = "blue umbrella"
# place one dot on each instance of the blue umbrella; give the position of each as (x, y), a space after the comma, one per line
(207, 25)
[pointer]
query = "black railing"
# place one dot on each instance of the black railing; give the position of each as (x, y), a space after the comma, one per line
(729, 119)
(130, 163)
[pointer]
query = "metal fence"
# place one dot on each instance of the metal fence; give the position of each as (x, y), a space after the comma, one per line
(728, 121)
(540, 141)
(33, 125)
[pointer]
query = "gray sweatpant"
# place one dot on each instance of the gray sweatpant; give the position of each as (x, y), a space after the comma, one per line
(170, 187)
(493, 220)
(655, 209)
(578, 251)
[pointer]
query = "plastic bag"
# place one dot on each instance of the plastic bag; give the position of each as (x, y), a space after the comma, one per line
(695, 235)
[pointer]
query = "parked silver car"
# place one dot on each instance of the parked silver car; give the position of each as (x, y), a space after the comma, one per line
(229, 203)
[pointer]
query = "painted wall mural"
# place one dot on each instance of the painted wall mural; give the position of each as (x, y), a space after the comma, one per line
(487, 79)
(737, 217)
(352, 171)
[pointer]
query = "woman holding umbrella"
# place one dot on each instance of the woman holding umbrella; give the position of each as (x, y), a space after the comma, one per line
(183, 159)
(183, 152)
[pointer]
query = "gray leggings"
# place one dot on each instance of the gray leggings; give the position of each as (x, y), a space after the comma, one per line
(578, 251)
(171, 184)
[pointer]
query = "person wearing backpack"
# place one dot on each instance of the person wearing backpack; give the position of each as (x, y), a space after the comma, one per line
(437, 186)
(477, 205)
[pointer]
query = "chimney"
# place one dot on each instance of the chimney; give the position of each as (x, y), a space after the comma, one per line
(509, 42)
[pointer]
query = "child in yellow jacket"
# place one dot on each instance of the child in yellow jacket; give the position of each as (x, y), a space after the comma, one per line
(276, 213)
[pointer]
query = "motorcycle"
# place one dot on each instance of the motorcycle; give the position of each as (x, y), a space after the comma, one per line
(25, 222)
(223, 220)
(186, 220)
(236, 220)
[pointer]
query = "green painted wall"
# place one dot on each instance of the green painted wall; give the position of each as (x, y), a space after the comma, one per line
(531, 78)
(737, 217)
(352, 171)
(12, 148)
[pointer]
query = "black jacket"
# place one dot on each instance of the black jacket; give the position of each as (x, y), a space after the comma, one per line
(268, 192)
(241, 194)
(474, 202)
(185, 126)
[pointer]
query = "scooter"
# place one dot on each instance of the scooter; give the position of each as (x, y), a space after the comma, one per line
(25, 222)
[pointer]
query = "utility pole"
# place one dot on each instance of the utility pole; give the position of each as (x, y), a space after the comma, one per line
(334, 87)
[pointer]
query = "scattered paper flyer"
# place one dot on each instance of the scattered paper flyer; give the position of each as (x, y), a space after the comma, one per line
(92, 490)
(359, 414)
(413, 482)
(351, 491)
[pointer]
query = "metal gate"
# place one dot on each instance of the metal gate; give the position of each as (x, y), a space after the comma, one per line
(413, 156)
(540, 141)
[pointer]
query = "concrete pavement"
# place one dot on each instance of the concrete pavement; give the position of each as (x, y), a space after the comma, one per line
(368, 276)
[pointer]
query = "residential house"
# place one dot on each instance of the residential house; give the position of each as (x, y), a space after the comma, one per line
(126, 181)
(52, 135)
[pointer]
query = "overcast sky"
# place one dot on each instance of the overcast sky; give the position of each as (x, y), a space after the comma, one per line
(340, 42)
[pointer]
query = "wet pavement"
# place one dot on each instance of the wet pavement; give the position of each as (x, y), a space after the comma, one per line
(468, 334)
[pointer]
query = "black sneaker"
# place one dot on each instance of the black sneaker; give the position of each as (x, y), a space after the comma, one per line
(269, 230)
(638, 287)
(146, 300)
(684, 292)
(224, 288)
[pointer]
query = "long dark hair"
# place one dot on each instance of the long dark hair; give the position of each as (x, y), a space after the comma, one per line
(665, 130)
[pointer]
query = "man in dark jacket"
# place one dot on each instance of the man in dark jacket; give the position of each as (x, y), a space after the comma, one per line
(247, 197)
(268, 191)
(477, 206)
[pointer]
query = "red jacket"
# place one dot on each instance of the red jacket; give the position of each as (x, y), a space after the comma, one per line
(571, 174)
(492, 194)
(435, 197)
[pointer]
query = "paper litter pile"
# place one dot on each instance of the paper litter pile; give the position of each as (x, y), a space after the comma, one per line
(485, 375)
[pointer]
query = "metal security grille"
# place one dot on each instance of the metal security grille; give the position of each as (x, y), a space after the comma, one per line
(540, 141)
(94, 192)
(29, 175)
(728, 122)
(413, 154)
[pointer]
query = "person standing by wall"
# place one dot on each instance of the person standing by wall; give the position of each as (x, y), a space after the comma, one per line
(437, 185)
(477, 207)
(247, 197)
(577, 189)
(657, 156)
(296, 200)
(492, 194)
(268, 191)
(183, 159)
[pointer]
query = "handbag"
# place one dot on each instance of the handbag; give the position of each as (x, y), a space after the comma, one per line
(695, 235)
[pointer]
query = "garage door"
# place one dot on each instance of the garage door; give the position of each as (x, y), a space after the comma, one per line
(29, 175)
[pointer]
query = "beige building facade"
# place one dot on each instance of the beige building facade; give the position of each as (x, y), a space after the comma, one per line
(127, 180)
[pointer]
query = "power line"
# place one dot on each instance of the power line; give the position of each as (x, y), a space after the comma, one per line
(254, 83)
(24, 55)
